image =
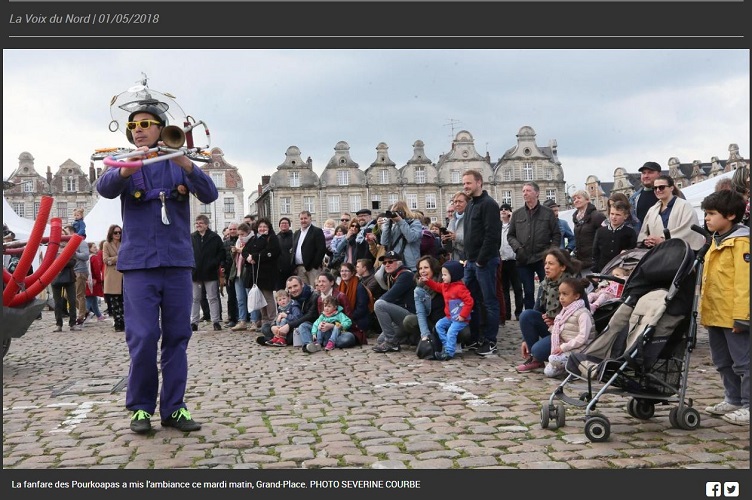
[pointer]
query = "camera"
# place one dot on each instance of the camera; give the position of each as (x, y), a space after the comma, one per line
(443, 230)
(391, 215)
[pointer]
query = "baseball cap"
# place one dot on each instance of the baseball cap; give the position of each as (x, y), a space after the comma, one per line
(650, 165)
(391, 255)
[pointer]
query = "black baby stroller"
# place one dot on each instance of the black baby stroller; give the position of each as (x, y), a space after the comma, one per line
(644, 351)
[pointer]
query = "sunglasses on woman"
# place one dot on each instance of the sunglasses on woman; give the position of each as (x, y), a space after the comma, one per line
(144, 124)
(660, 188)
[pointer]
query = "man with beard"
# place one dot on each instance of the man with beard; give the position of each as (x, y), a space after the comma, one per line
(306, 298)
(644, 197)
(358, 241)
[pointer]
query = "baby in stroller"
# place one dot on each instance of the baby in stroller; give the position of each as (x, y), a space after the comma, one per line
(608, 291)
(573, 327)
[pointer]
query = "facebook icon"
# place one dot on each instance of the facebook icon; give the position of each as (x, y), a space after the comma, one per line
(713, 489)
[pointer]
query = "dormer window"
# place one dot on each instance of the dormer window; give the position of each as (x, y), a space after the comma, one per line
(343, 177)
(294, 179)
(420, 175)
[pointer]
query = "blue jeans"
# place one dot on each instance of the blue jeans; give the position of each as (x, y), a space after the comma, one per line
(241, 294)
(481, 281)
(527, 277)
(342, 340)
(92, 304)
(535, 334)
(448, 330)
(422, 309)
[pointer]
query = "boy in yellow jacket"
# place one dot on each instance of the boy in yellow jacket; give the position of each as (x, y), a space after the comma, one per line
(724, 308)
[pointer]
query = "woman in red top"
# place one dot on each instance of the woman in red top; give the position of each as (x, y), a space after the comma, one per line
(95, 285)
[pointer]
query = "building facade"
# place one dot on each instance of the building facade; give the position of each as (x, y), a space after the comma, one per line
(423, 184)
(71, 188)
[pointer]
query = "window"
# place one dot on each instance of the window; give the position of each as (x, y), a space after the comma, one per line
(527, 171)
(62, 210)
(375, 197)
(412, 201)
(506, 197)
(384, 176)
(28, 187)
(206, 208)
(431, 200)
(70, 184)
(219, 179)
(285, 207)
(508, 174)
(420, 175)
(19, 209)
(549, 174)
(294, 179)
(309, 203)
(356, 202)
(37, 205)
(679, 185)
(333, 202)
(229, 205)
(393, 197)
(343, 177)
(551, 194)
(454, 177)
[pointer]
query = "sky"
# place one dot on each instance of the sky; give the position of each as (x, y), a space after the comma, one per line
(605, 108)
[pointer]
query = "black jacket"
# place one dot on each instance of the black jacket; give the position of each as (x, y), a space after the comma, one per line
(482, 229)
(285, 250)
(608, 244)
(265, 251)
(532, 233)
(313, 250)
(209, 254)
(584, 234)
(227, 263)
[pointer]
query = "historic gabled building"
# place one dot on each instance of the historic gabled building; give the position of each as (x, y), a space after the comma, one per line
(422, 184)
(529, 162)
(69, 185)
(72, 187)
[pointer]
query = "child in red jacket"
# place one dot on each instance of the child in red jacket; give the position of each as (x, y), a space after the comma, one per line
(458, 304)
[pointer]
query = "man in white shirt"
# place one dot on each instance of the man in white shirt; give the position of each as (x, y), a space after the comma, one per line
(309, 248)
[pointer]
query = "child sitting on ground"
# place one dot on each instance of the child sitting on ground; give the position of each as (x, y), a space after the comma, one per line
(78, 223)
(332, 314)
(458, 304)
(287, 310)
(608, 290)
(573, 327)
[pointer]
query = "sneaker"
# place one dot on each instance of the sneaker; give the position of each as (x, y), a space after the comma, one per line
(722, 408)
(76, 328)
(182, 421)
(194, 327)
(386, 347)
(738, 417)
(230, 324)
(279, 342)
(217, 327)
(312, 347)
(472, 346)
(329, 346)
(553, 370)
(240, 327)
(530, 365)
(140, 422)
(101, 318)
(487, 349)
(261, 340)
(442, 356)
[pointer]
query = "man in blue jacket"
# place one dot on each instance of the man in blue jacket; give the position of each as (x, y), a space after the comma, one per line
(396, 304)
(156, 259)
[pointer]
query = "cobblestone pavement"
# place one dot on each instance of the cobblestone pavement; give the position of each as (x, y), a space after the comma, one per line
(278, 408)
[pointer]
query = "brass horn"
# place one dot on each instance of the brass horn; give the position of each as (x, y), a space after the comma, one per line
(173, 136)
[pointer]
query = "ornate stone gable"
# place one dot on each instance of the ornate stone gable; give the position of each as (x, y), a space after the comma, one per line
(341, 170)
(70, 177)
(294, 173)
(27, 180)
(460, 158)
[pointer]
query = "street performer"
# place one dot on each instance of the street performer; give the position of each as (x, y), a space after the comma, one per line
(156, 259)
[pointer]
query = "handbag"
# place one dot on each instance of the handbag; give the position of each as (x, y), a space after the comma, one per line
(256, 298)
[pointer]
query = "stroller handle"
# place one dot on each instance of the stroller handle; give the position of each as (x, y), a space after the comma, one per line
(708, 240)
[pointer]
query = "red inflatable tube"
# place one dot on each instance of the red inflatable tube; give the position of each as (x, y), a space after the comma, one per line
(32, 246)
(53, 245)
(35, 289)
(17, 247)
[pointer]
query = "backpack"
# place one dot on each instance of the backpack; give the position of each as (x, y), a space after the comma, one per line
(429, 244)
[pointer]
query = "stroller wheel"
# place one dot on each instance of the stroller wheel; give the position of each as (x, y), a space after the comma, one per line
(561, 415)
(597, 428)
(688, 418)
(545, 415)
(672, 418)
(641, 408)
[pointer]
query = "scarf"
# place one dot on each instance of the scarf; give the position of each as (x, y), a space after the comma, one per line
(350, 289)
(562, 318)
(239, 244)
(361, 237)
